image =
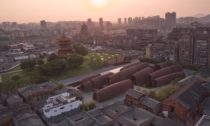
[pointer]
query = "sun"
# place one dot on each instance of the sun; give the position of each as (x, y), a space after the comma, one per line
(99, 3)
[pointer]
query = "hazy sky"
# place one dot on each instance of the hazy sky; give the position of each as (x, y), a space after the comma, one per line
(56, 10)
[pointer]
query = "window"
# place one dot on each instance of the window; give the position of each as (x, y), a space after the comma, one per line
(171, 109)
(62, 107)
(134, 119)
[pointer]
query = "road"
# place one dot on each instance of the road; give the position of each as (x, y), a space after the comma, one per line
(12, 72)
(110, 69)
(73, 80)
(0, 78)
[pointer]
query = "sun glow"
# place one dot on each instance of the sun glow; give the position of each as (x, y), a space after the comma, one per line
(99, 3)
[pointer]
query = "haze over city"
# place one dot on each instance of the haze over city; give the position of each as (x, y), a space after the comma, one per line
(57, 10)
(104, 62)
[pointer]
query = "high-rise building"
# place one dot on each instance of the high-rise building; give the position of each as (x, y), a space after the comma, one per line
(140, 38)
(119, 21)
(192, 45)
(43, 24)
(89, 22)
(101, 22)
(84, 30)
(170, 20)
(125, 21)
(130, 20)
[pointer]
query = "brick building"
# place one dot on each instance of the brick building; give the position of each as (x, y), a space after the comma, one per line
(138, 99)
(184, 103)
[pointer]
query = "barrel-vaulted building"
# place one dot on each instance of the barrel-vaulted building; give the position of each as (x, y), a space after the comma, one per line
(164, 71)
(112, 90)
(141, 78)
(127, 73)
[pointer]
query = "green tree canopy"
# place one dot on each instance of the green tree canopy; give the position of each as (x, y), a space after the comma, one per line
(53, 68)
(52, 57)
(28, 65)
(80, 49)
(75, 61)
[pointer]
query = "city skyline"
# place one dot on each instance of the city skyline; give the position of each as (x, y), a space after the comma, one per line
(23, 11)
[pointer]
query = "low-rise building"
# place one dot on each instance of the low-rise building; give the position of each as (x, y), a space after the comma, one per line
(112, 90)
(24, 116)
(35, 91)
(13, 100)
(184, 103)
(204, 121)
(59, 104)
(138, 99)
(35, 95)
(116, 114)
(5, 116)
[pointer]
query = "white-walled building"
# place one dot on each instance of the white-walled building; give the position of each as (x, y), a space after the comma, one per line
(59, 104)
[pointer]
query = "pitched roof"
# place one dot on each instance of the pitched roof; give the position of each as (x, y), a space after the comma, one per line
(28, 91)
(189, 94)
(166, 122)
(13, 100)
(28, 119)
(147, 101)
(135, 94)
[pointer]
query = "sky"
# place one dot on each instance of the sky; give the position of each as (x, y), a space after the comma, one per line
(65, 10)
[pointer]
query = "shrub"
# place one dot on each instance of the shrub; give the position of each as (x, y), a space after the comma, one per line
(80, 49)
(88, 106)
(75, 61)
(52, 68)
(16, 78)
(28, 65)
(163, 93)
(52, 57)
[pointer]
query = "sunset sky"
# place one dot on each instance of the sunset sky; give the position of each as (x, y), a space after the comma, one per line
(57, 10)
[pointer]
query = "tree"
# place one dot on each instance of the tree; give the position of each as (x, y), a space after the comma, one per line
(28, 65)
(16, 78)
(52, 68)
(75, 61)
(164, 93)
(80, 49)
(40, 62)
(52, 57)
(39, 79)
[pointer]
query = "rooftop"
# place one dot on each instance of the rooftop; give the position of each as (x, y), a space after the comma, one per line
(204, 121)
(205, 106)
(31, 90)
(190, 92)
(147, 101)
(116, 114)
(28, 119)
(58, 100)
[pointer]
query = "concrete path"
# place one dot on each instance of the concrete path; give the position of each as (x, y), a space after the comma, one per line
(0, 79)
(12, 72)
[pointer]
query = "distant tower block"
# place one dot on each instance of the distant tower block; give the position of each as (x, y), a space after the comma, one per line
(119, 21)
(84, 30)
(125, 20)
(43, 24)
(64, 47)
(149, 51)
(101, 22)
(89, 22)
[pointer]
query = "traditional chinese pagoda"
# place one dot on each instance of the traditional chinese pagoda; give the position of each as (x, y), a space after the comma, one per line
(64, 46)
